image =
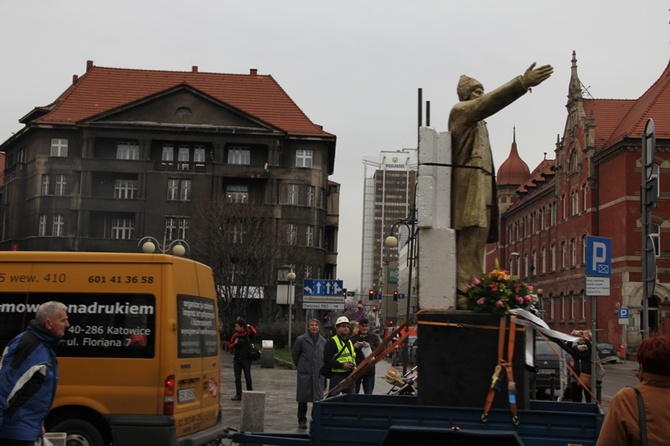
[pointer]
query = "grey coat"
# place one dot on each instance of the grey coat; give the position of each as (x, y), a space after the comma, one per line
(308, 359)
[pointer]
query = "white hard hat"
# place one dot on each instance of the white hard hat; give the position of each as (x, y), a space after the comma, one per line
(341, 320)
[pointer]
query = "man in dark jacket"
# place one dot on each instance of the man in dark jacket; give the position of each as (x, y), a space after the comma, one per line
(240, 344)
(29, 376)
(364, 343)
(307, 356)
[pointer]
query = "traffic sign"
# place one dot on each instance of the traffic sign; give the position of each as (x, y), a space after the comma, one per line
(322, 306)
(623, 313)
(322, 287)
(598, 256)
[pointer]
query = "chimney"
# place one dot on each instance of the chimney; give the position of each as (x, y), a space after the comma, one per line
(75, 78)
(194, 69)
(89, 65)
(253, 71)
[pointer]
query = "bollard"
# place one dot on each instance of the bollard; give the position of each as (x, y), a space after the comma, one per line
(253, 411)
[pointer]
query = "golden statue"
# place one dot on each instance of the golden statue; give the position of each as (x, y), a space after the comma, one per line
(474, 202)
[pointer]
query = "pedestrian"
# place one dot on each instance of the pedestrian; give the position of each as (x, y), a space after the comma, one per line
(581, 354)
(240, 344)
(623, 423)
(364, 343)
(29, 376)
(339, 355)
(474, 205)
(307, 356)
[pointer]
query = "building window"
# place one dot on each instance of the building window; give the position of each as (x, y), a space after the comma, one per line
(127, 151)
(239, 155)
(45, 184)
(237, 194)
(235, 233)
(573, 252)
(61, 185)
(125, 189)
(42, 226)
(543, 223)
(543, 261)
(58, 227)
(291, 234)
(575, 202)
(584, 198)
(184, 156)
(309, 236)
(199, 155)
(179, 189)
(311, 196)
(563, 255)
(533, 264)
(176, 228)
(552, 214)
(583, 249)
(303, 158)
(168, 153)
(552, 253)
(122, 228)
(293, 194)
(319, 239)
(58, 147)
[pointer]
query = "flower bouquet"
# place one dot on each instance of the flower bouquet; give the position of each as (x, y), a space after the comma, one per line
(497, 292)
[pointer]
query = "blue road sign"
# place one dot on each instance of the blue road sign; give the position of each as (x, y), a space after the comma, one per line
(322, 287)
(598, 256)
(623, 313)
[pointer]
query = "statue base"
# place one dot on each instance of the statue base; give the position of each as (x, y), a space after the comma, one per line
(457, 355)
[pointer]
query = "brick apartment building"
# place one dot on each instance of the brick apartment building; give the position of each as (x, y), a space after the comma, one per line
(127, 153)
(592, 187)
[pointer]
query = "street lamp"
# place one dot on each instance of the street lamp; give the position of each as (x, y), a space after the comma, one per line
(291, 278)
(177, 247)
(392, 241)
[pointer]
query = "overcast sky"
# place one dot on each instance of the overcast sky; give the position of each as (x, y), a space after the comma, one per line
(352, 66)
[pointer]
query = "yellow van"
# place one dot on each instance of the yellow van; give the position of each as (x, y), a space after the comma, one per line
(140, 363)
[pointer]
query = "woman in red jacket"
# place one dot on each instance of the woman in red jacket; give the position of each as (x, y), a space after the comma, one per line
(240, 343)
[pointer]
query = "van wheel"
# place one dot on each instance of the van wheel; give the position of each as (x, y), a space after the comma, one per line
(79, 433)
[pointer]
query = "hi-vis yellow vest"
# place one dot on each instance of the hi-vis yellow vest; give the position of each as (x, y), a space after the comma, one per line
(347, 354)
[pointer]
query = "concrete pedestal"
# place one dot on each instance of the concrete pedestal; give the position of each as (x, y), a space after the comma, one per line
(458, 352)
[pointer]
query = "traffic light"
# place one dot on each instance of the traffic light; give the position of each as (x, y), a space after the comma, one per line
(395, 295)
(344, 293)
(391, 323)
(371, 295)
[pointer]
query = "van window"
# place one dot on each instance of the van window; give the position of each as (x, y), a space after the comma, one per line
(197, 327)
(102, 325)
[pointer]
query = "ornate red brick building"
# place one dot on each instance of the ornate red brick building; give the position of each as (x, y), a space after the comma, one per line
(592, 187)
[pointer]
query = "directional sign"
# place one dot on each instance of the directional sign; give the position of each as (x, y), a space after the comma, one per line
(322, 287)
(322, 306)
(598, 256)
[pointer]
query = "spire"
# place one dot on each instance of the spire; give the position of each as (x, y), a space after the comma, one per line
(513, 171)
(575, 88)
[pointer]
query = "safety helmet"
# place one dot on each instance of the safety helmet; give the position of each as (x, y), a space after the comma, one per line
(341, 320)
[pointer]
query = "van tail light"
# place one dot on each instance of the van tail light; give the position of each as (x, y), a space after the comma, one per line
(168, 396)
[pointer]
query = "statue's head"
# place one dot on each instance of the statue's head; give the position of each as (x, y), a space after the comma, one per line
(468, 85)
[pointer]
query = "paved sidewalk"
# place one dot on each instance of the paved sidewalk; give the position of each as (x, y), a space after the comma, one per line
(279, 385)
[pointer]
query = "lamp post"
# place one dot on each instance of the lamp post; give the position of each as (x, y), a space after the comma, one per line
(177, 247)
(291, 277)
(392, 242)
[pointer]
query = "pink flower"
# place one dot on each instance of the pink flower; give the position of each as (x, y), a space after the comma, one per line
(519, 300)
(494, 286)
(476, 281)
(481, 301)
(500, 304)
(530, 288)
(528, 298)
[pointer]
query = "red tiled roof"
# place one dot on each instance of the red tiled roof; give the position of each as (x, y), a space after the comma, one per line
(103, 89)
(538, 176)
(607, 115)
(655, 104)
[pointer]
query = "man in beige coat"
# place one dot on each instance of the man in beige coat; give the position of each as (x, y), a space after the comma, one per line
(474, 204)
